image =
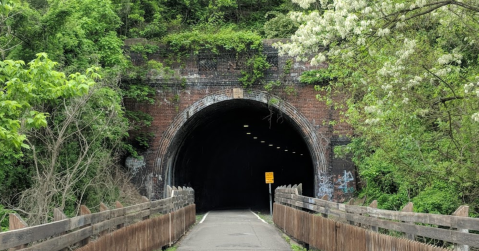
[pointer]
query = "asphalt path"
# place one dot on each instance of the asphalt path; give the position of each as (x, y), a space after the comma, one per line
(233, 230)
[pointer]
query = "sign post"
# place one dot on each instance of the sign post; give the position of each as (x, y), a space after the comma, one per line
(269, 181)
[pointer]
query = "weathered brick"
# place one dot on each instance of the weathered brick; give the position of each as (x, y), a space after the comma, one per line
(206, 86)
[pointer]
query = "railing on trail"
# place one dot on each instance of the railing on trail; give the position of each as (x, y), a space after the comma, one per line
(349, 227)
(142, 227)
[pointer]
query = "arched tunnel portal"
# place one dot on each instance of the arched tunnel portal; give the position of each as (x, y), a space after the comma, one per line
(223, 151)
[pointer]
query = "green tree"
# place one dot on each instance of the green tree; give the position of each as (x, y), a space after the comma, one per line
(24, 92)
(76, 34)
(410, 70)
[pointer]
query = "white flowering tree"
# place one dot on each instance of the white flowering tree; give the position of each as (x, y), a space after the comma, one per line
(410, 70)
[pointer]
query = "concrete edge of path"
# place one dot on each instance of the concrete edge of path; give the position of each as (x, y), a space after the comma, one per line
(258, 217)
(204, 218)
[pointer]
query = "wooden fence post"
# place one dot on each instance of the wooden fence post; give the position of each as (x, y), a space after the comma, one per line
(462, 211)
(104, 208)
(145, 200)
(16, 222)
(325, 197)
(300, 189)
(119, 205)
(374, 204)
(57, 216)
(408, 208)
(84, 210)
(351, 202)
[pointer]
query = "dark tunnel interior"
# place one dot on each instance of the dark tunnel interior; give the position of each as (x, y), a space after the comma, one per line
(224, 151)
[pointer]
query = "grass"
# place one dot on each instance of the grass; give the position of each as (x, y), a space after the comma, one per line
(199, 217)
(295, 246)
(265, 217)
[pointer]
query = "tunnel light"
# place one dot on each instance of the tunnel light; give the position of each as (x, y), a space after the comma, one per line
(278, 147)
(262, 141)
(286, 150)
(270, 144)
(255, 137)
(248, 133)
(301, 154)
(294, 152)
(246, 126)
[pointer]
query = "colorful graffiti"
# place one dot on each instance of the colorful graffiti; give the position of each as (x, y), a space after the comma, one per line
(344, 186)
(344, 182)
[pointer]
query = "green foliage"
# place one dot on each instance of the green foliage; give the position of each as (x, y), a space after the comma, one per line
(144, 50)
(140, 93)
(143, 140)
(214, 40)
(290, 90)
(87, 133)
(295, 247)
(281, 26)
(411, 93)
(271, 85)
(255, 70)
(141, 18)
(75, 34)
(4, 218)
(317, 77)
(139, 119)
(24, 88)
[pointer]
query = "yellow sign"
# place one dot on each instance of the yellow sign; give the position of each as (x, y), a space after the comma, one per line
(269, 177)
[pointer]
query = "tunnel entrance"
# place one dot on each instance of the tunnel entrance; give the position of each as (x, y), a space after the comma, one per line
(224, 150)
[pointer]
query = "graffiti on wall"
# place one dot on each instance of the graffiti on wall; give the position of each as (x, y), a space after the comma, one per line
(344, 182)
(344, 186)
(325, 186)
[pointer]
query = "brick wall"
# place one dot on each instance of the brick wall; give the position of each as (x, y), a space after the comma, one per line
(211, 79)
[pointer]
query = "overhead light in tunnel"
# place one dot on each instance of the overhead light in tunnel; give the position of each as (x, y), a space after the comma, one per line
(278, 147)
(270, 144)
(301, 154)
(294, 152)
(248, 133)
(255, 137)
(246, 126)
(285, 150)
(262, 141)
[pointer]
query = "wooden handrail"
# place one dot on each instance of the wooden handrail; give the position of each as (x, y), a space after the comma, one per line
(408, 222)
(63, 233)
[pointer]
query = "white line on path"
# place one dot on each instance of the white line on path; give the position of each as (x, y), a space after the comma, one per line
(204, 217)
(258, 217)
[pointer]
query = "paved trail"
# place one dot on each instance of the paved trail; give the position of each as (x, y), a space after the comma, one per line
(233, 230)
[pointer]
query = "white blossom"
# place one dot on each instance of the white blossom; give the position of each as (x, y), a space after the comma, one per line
(468, 87)
(422, 112)
(387, 87)
(413, 82)
(383, 32)
(448, 58)
(304, 3)
(475, 116)
(420, 3)
(372, 121)
(318, 59)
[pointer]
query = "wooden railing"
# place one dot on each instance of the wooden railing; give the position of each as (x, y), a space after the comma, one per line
(291, 209)
(168, 218)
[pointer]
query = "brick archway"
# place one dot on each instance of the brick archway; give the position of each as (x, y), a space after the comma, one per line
(317, 144)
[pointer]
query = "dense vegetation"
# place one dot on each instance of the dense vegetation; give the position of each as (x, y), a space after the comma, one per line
(64, 72)
(410, 69)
